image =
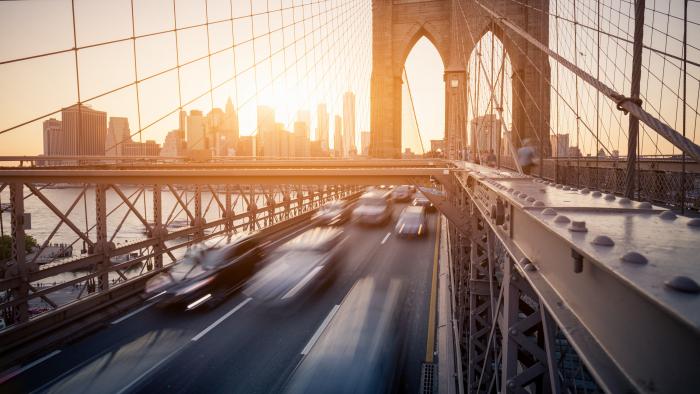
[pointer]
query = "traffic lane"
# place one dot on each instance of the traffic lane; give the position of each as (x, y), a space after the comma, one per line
(155, 331)
(256, 351)
(377, 340)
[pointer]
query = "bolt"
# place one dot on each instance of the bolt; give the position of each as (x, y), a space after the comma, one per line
(559, 186)
(683, 284)
(549, 212)
(634, 258)
(513, 331)
(644, 205)
(625, 201)
(609, 197)
(522, 195)
(596, 193)
(585, 190)
(562, 219)
(538, 203)
(603, 240)
(578, 226)
(530, 267)
(566, 188)
(530, 199)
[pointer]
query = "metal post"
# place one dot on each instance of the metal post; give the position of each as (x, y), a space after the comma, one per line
(639, 6)
(102, 242)
(18, 249)
(158, 227)
(198, 220)
(228, 212)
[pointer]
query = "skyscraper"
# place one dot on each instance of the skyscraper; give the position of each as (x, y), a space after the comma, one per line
(231, 126)
(365, 141)
(182, 121)
(338, 137)
(349, 124)
(174, 144)
(52, 137)
(486, 133)
(323, 120)
(196, 131)
(266, 125)
(118, 133)
(560, 144)
(305, 117)
(302, 148)
(83, 131)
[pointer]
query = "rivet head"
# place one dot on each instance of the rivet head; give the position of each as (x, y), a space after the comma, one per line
(578, 226)
(538, 203)
(549, 212)
(694, 222)
(625, 201)
(513, 331)
(530, 199)
(683, 284)
(559, 186)
(511, 384)
(510, 190)
(634, 258)
(530, 267)
(522, 195)
(585, 190)
(566, 188)
(603, 240)
(644, 205)
(596, 193)
(667, 215)
(561, 219)
(609, 197)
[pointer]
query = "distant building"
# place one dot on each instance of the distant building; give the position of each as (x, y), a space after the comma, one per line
(196, 131)
(365, 138)
(349, 124)
(407, 154)
(174, 144)
(118, 134)
(437, 146)
(245, 146)
(317, 150)
(148, 148)
(83, 131)
(338, 148)
(574, 151)
(222, 130)
(559, 144)
(486, 133)
(265, 125)
(302, 147)
(323, 126)
(52, 137)
(304, 116)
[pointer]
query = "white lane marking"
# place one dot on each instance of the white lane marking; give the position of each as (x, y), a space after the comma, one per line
(121, 319)
(302, 283)
(156, 296)
(319, 331)
(148, 371)
(34, 363)
(385, 238)
(221, 319)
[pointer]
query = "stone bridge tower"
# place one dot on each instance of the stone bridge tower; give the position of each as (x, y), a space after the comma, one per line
(455, 27)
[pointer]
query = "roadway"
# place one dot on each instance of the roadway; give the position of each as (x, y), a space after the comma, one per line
(243, 345)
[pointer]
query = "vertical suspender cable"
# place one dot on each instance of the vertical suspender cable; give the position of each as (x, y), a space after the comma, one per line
(685, 78)
(633, 133)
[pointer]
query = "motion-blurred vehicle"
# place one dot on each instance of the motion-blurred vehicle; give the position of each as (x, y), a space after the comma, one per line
(360, 351)
(422, 201)
(401, 193)
(334, 213)
(373, 208)
(298, 265)
(412, 222)
(208, 272)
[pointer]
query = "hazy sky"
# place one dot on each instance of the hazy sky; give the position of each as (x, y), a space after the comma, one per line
(294, 54)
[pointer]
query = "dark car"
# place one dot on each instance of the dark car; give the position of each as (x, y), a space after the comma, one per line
(301, 263)
(412, 222)
(422, 201)
(208, 272)
(334, 213)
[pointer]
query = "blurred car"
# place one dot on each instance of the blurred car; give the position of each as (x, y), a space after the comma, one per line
(401, 193)
(334, 213)
(412, 222)
(297, 265)
(373, 208)
(422, 201)
(207, 273)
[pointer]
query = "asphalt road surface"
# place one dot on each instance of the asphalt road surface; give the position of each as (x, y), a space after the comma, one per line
(246, 346)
